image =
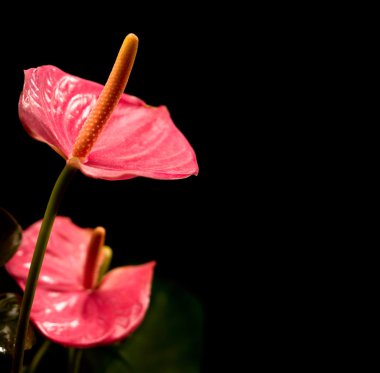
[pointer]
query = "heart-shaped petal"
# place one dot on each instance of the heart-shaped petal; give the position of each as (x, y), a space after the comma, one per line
(63, 309)
(138, 140)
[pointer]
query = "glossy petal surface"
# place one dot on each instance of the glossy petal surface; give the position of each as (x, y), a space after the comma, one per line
(138, 140)
(63, 310)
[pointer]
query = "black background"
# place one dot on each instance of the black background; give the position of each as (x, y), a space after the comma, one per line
(184, 225)
(253, 91)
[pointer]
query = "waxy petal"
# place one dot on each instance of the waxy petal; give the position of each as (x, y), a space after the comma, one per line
(63, 310)
(101, 316)
(138, 140)
(62, 268)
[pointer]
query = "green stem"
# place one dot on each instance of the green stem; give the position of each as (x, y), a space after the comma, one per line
(38, 356)
(75, 357)
(35, 267)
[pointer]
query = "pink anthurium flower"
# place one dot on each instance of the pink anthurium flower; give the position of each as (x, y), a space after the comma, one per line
(72, 305)
(110, 135)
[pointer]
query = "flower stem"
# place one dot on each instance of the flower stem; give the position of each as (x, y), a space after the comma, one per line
(35, 267)
(38, 356)
(75, 357)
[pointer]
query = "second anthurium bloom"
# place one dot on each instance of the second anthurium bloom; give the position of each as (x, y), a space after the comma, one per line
(76, 304)
(100, 130)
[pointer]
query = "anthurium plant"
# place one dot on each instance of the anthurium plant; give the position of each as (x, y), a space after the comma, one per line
(106, 318)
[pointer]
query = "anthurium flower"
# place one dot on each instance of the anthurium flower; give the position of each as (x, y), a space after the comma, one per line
(107, 134)
(71, 305)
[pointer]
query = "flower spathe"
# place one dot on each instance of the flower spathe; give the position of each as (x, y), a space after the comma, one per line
(64, 309)
(138, 140)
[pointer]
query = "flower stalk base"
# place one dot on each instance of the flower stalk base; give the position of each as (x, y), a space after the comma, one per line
(35, 267)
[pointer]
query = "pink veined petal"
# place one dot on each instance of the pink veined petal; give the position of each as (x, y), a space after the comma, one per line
(138, 140)
(145, 143)
(63, 310)
(53, 106)
(95, 317)
(62, 268)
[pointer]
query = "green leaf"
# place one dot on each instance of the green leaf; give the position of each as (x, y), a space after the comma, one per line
(10, 236)
(9, 312)
(168, 341)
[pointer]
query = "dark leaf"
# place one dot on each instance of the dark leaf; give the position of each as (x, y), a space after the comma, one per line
(10, 236)
(9, 312)
(168, 341)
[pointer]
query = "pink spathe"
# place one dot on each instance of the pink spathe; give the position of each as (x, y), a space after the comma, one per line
(138, 140)
(63, 309)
